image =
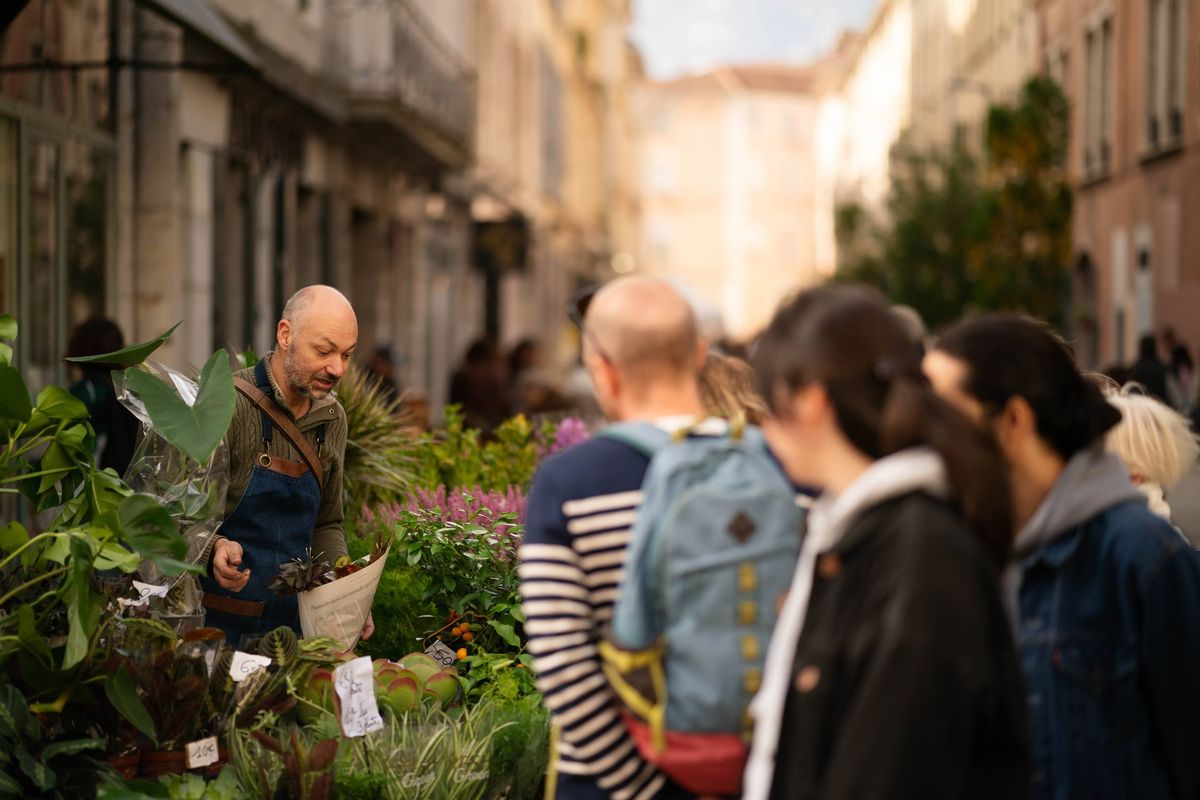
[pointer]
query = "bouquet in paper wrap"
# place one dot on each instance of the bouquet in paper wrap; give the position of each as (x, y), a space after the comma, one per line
(335, 603)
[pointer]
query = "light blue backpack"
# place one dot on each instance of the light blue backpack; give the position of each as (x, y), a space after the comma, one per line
(711, 554)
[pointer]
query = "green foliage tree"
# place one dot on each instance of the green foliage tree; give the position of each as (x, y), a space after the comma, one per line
(963, 235)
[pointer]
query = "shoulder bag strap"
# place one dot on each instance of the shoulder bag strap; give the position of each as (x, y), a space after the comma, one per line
(286, 426)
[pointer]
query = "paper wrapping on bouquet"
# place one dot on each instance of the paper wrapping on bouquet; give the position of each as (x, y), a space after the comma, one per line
(339, 609)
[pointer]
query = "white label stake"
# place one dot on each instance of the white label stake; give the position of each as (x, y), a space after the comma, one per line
(354, 683)
(244, 664)
(202, 753)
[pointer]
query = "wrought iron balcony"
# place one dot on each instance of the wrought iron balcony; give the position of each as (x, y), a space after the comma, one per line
(401, 74)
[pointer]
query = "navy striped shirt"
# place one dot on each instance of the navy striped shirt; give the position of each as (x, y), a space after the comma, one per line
(581, 507)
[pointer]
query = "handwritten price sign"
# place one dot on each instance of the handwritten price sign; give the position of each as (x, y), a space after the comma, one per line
(441, 653)
(244, 664)
(354, 683)
(145, 592)
(202, 753)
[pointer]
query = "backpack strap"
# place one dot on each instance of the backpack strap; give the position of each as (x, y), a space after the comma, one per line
(644, 437)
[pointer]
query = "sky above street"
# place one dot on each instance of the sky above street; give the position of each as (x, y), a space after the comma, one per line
(678, 37)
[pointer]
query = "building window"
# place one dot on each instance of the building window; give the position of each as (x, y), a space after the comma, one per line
(1165, 69)
(1097, 153)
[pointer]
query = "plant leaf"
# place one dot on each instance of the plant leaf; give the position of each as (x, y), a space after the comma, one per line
(14, 396)
(8, 327)
(506, 632)
(8, 786)
(149, 529)
(12, 536)
(57, 403)
(15, 719)
(321, 757)
(42, 777)
(129, 356)
(55, 459)
(195, 429)
(113, 556)
(83, 610)
(122, 693)
(71, 747)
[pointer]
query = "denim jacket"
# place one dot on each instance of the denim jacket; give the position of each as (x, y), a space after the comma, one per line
(1108, 630)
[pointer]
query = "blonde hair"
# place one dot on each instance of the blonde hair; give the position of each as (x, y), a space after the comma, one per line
(727, 389)
(1155, 441)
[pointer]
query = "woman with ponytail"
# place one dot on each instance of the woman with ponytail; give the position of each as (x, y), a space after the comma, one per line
(891, 672)
(1104, 595)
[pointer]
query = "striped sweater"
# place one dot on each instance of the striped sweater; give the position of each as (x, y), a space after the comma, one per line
(581, 506)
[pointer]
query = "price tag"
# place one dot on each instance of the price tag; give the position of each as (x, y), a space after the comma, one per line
(210, 661)
(441, 653)
(145, 592)
(244, 664)
(202, 753)
(354, 683)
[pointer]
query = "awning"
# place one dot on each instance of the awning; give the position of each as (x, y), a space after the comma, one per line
(202, 19)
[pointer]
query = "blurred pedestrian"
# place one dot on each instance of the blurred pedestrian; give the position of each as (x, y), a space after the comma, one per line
(642, 350)
(381, 368)
(115, 426)
(479, 386)
(1104, 595)
(1179, 366)
(727, 389)
(1148, 370)
(1155, 442)
(891, 672)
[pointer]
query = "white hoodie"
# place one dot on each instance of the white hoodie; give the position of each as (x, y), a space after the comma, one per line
(917, 469)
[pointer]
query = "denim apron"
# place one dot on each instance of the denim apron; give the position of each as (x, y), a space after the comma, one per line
(273, 522)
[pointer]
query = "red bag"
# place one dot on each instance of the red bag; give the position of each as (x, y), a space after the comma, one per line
(702, 763)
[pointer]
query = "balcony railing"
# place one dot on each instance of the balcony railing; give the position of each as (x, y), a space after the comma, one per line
(390, 53)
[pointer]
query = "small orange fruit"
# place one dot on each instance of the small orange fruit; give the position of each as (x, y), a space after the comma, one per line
(468, 636)
(462, 653)
(455, 631)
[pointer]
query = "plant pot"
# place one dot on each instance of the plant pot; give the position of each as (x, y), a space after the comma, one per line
(173, 762)
(127, 765)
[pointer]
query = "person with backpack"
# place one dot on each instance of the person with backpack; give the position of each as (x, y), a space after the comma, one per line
(713, 548)
(891, 672)
(643, 352)
(1104, 595)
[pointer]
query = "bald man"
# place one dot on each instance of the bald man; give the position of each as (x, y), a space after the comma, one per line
(286, 445)
(643, 353)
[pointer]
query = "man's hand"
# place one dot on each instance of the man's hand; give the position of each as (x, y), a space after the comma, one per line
(227, 557)
(368, 628)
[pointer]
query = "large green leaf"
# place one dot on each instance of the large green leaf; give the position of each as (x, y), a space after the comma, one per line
(8, 332)
(14, 396)
(196, 429)
(55, 463)
(57, 403)
(129, 356)
(122, 693)
(8, 786)
(32, 639)
(149, 529)
(83, 610)
(71, 747)
(113, 556)
(12, 536)
(42, 776)
(15, 720)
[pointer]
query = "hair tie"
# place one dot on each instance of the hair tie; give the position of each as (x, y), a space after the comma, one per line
(889, 369)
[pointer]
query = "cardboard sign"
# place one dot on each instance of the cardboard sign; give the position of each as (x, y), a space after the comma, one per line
(202, 753)
(354, 683)
(441, 653)
(244, 664)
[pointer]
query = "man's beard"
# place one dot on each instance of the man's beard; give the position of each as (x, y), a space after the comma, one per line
(301, 383)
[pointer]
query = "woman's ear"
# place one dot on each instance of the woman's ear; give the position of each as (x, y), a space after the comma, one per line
(1015, 425)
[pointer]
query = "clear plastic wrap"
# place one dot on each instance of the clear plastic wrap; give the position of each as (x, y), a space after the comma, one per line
(192, 493)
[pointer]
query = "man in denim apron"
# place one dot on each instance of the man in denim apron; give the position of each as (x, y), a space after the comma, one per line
(286, 444)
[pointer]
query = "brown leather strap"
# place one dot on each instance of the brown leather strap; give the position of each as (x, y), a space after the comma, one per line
(241, 608)
(286, 427)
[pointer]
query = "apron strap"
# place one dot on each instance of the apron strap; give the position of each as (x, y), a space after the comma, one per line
(288, 428)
